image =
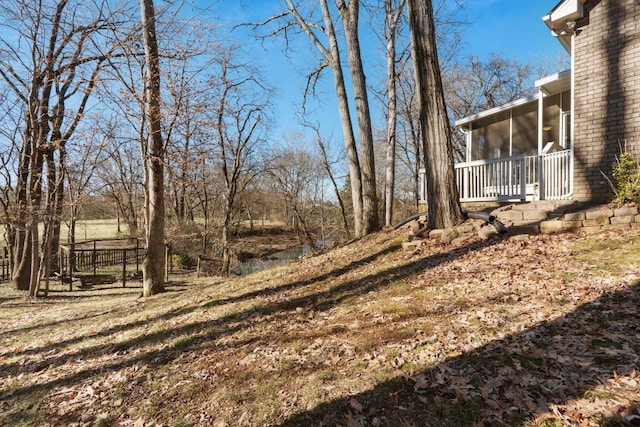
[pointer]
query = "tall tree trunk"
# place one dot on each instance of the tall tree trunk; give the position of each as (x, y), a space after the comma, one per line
(154, 262)
(54, 265)
(391, 17)
(349, 14)
(333, 55)
(226, 232)
(44, 254)
(21, 272)
(443, 200)
(72, 240)
(35, 199)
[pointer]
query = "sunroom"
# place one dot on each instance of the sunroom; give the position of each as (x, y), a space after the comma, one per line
(521, 151)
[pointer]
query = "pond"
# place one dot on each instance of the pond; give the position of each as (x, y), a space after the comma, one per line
(287, 256)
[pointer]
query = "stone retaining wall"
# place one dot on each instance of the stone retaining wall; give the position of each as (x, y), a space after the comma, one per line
(523, 219)
(529, 218)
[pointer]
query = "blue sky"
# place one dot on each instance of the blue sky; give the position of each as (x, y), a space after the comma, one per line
(513, 28)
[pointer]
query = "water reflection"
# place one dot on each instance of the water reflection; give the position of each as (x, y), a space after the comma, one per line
(278, 258)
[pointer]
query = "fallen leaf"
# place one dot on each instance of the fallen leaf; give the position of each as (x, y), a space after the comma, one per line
(357, 406)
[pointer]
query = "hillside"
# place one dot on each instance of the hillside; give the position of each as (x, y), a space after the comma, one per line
(536, 331)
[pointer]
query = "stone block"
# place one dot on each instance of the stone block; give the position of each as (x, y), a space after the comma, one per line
(412, 245)
(465, 228)
(599, 214)
(501, 209)
(448, 235)
(617, 226)
(486, 233)
(520, 237)
(435, 234)
(511, 215)
(622, 219)
(626, 211)
(525, 207)
(459, 240)
(413, 226)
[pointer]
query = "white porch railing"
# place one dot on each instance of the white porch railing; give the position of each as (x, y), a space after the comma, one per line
(557, 179)
(514, 179)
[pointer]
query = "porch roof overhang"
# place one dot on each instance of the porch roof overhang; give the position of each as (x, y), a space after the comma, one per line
(496, 110)
(562, 20)
(555, 83)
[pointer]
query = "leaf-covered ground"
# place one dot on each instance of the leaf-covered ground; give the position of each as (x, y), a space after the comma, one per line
(536, 331)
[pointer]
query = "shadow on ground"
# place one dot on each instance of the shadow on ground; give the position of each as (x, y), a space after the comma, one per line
(506, 382)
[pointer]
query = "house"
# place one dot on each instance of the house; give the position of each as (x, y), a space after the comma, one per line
(557, 144)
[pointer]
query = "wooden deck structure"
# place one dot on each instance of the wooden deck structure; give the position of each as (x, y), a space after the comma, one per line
(83, 259)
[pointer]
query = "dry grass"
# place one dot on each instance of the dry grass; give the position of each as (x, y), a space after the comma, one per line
(90, 229)
(535, 332)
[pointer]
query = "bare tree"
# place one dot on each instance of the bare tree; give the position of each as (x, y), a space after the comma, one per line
(192, 52)
(12, 113)
(393, 13)
(183, 136)
(442, 192)
(326, 164)
(297, 176)
(122, 181)
(239, 117)
(349, 13)
(208, 188)
(54, 54)
(408, 145)
(154, 262)
(323, 36)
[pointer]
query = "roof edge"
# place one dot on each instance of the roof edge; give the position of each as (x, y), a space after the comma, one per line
(564, 12)
(495, 110)
(561, 20)
(539, 84)
(552, 78)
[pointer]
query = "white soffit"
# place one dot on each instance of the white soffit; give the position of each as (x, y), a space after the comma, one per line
(565, 11)
(557, 20)
(555, 83)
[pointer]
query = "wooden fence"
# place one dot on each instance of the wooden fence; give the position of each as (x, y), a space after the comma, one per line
(91, 255)
(5, 272)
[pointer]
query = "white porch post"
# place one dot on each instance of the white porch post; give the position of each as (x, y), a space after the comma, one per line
(540, 174)
(572, 119)
(468, 139)
(465, 178)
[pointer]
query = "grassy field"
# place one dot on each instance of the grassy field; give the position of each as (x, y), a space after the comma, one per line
(108, 229)
(534, 332)
(90, 230)
(95, 229)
